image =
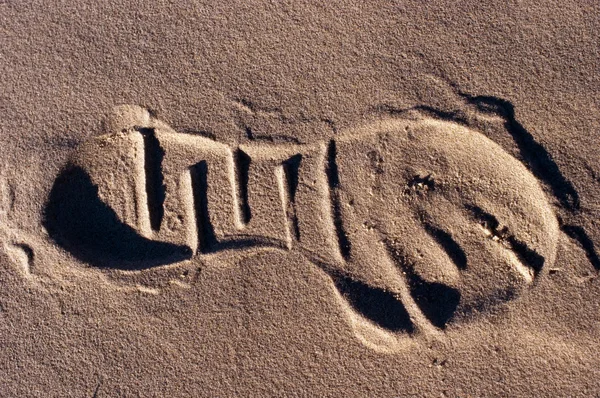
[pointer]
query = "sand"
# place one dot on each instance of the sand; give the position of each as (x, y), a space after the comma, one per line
(299, 199)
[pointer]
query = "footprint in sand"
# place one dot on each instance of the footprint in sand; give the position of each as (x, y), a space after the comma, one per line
(419, 222)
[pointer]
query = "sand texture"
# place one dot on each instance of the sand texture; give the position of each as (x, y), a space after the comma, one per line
(299, 199)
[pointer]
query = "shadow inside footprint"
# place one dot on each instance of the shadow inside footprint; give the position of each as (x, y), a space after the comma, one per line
(79, 221)
(378, 306)
(437, 301)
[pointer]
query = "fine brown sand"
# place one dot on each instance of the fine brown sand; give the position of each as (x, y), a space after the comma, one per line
(299, 199)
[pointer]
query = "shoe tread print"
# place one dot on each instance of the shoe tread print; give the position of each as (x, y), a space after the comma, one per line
(418, 221)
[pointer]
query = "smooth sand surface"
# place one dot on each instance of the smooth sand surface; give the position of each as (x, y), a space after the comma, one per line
(299, 199)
